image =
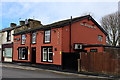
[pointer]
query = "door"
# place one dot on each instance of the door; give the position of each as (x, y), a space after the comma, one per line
(33, 58)
(70, 61)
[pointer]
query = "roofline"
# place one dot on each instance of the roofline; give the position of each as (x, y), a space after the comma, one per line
(62, 25)
(49, 27)
(99, 26)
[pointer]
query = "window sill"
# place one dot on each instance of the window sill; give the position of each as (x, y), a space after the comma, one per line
(22, 59)
(46, 42)
(47, 62)
(33, 43)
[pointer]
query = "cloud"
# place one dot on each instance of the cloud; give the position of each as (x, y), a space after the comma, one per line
(49, 12)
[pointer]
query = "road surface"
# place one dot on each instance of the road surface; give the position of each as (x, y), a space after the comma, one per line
(19, 73)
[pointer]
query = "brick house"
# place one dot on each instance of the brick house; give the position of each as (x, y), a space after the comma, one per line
(59, 43)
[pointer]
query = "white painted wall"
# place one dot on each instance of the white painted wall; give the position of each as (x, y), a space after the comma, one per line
(3, 40)
(4, 37)
(0, 45)
(0, 40)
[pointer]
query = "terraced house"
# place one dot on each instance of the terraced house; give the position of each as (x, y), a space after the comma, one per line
(58, 44)
(6, 43)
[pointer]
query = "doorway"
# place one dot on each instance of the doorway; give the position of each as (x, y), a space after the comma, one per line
(70, 61)
(33, 58)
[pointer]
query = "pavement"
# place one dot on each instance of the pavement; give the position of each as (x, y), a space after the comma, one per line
(19, 66)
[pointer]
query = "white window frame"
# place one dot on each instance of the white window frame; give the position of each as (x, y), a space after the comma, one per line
(23, 39)
(8, 35)
(34, 38)
(21, 56)
(49, 55)
(44, 54)
(100, 38)
(47, 35)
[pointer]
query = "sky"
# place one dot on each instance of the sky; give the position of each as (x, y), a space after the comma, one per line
(51, 11)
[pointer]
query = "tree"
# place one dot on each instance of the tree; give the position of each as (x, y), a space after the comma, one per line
(111, 24)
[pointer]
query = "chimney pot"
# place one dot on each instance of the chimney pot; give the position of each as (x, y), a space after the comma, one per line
(12, 25)
(22, 23)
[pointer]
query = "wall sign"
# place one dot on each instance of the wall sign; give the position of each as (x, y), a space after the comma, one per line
(93, 50)
(17, 39)
(88, 26)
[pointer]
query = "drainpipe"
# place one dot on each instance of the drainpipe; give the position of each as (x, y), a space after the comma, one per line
(70, 46)
(30, 51)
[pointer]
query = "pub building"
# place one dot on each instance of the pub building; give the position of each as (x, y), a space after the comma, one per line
(59, 44)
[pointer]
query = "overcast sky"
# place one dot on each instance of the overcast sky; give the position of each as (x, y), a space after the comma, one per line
(49, 12)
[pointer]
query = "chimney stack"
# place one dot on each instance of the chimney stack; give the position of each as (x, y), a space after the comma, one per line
(12, 25)
(22, 23)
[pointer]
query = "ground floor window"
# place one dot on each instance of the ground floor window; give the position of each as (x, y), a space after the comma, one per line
(8, 52)
(47, 54)
(23, 53)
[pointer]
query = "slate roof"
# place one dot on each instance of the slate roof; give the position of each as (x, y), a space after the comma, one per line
(7, 29)
(61, 24)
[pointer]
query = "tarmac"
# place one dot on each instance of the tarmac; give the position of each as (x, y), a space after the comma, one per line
(19, 66)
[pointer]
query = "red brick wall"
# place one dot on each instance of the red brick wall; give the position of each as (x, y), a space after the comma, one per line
(55, 42)
(18, 44)
(81, 34)
(60, 40)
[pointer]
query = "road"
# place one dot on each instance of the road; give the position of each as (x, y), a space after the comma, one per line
(19, 73)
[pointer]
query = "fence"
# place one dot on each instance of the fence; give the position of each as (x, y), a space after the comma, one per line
(106, 62)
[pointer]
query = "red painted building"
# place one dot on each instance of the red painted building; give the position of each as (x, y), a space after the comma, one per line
(48, 44)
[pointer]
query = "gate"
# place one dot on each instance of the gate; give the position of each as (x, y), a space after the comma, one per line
(70, 61)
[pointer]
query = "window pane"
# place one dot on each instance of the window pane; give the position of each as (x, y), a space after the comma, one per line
(47, 54)
(47, 36)
(34, 38)
(8, 52)
(44, 54)
(23, 53)
(8, 35)
(100, 38)
(23, 39)
(50, 55)
(20, 53)
(47, 32)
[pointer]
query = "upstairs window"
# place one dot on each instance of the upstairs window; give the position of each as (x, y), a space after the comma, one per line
(8, 35)
(100, 38)
(23, 39)
(34, 38)
(47, 36)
